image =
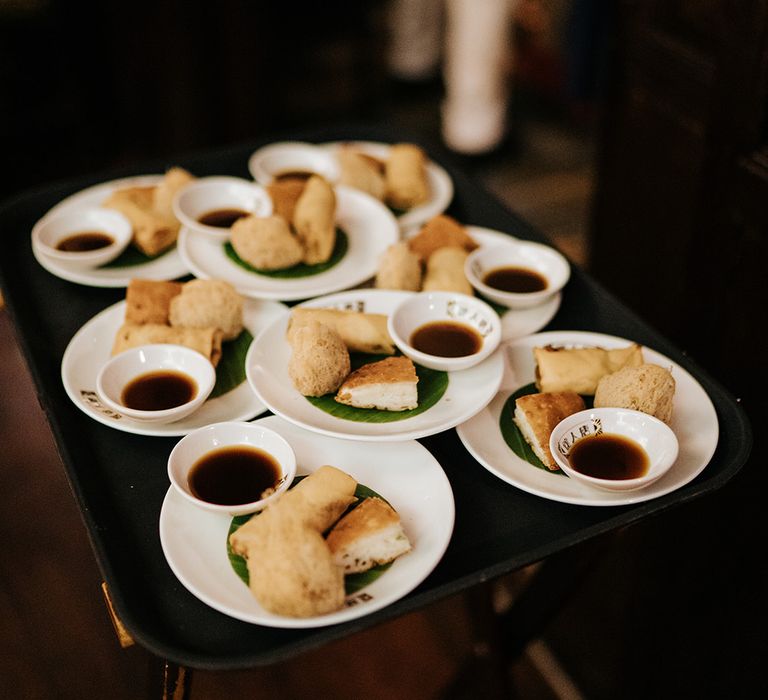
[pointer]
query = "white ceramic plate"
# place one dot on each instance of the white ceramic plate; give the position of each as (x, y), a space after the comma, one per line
(167, 267)
(694, 421)
(405, 473)
(440, 183)
(91, 346)
(518, 322)
(370, 229)
(267, 369)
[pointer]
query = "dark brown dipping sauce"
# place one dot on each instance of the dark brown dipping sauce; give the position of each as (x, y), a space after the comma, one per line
(446, 339)
(222, 218)
(156, 391)
(232, 476)
(608, 456)
(519, 280)
(293, 175)
(85, 241)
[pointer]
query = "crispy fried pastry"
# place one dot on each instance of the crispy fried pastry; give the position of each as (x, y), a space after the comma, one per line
(537, 415)
(369, 535)
(389, 385)
(149, 301)
(406, 176)
(580, 369)
(314, 220)
(439, 232)
(206, 303)
(361, 332)
(319, 359)
(445, 271)
(267, 243)
(399, 268)
(206, 341)
(290, 565)
(647, 388)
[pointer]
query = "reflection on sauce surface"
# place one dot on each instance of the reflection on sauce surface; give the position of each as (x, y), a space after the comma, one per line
(520, 280)
(446, 339)
(222, 218)
(607, 456)
(85, 241)
(157, 391)
(234, 475)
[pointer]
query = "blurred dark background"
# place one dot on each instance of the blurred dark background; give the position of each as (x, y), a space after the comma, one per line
(638, 144)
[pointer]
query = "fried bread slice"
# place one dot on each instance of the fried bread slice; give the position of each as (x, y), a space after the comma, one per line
(537, 415)
(389, 385)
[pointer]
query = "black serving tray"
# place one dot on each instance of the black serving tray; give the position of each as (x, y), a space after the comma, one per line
(119, 479)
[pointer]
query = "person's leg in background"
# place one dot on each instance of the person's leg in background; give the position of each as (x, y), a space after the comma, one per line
(476, 74)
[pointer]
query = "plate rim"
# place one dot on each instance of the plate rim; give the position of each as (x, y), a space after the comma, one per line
(85, 277)
(413, 434)
(187, 237)
(134, 427)
(598, 498)
(346, 614)
(436, 172)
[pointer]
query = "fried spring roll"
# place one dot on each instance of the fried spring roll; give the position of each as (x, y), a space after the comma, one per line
(580, 369)
(361, 332)
(314, 220)
(445, 271)
(207, 341)
(406, 176)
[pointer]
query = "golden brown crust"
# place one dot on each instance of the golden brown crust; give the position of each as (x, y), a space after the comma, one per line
(399, 268)
(149, 301)
(204, 303)
(537, 415)
(439, 232)
(266, 242)
(319, 359)
(361, 172)
(445, 271)
(580, 369)
(149, 209)
(314, 220)
(406, 177)
(361, 332)
(388, 371)
(285, 192)
(647, 388)
(291, 568)
(371, 515)
(207, 341)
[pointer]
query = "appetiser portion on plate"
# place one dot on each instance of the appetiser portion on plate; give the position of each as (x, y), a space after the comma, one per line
(318, 238)
(332, 367)
(556, 377)
(441, 255)
(358, 529)
(146, 203)
(207, 317)
(399, 175)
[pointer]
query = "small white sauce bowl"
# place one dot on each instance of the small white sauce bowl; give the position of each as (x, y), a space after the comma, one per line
(655, 437)
(50, 231)
(208, 194)
(114, 376)
(431, 307)
(194, 446)
(526, 254)
(291, 156)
